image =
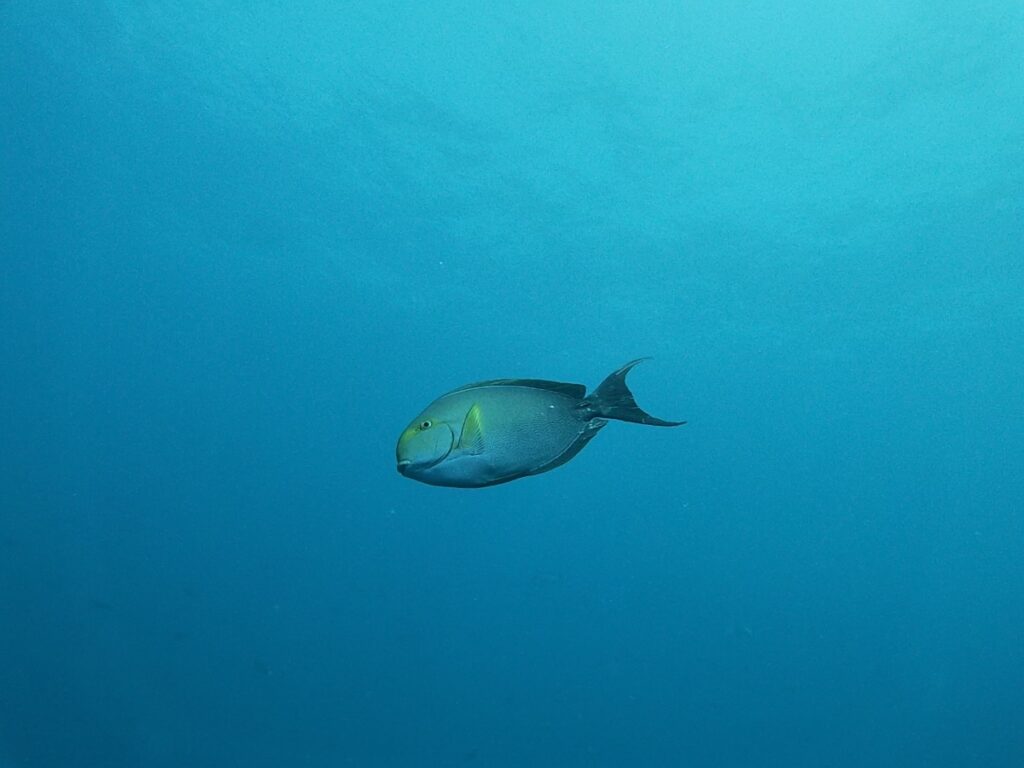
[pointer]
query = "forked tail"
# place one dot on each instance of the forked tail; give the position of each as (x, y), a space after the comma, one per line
(613, 400)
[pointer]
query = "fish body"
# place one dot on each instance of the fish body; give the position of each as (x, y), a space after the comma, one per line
(496, 431)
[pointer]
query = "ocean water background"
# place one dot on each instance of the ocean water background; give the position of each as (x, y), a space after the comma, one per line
(243, 244)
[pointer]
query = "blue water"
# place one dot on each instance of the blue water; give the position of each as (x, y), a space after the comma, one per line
(243, 244)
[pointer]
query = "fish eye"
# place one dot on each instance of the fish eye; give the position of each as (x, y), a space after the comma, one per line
(425, 424)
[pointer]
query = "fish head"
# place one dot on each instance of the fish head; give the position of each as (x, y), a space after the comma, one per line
(424, 444)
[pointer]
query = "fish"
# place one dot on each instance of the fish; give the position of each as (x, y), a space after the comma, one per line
(501, 430)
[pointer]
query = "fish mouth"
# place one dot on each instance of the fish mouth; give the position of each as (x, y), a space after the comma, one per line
(406, 466)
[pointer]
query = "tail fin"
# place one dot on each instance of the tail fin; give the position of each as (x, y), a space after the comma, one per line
(613, 400)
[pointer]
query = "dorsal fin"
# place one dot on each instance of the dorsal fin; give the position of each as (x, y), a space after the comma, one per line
(575, 391)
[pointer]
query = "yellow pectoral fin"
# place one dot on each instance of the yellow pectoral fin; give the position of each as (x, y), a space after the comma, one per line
(472, 439)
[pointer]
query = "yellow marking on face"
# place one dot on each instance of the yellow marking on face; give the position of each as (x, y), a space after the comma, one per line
(420, 425)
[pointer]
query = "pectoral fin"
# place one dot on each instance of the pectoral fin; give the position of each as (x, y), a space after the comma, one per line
(472, 439)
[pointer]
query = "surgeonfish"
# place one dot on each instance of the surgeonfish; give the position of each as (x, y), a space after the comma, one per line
(496, 431)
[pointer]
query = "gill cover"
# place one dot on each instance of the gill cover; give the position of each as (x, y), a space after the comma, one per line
(424, 443)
